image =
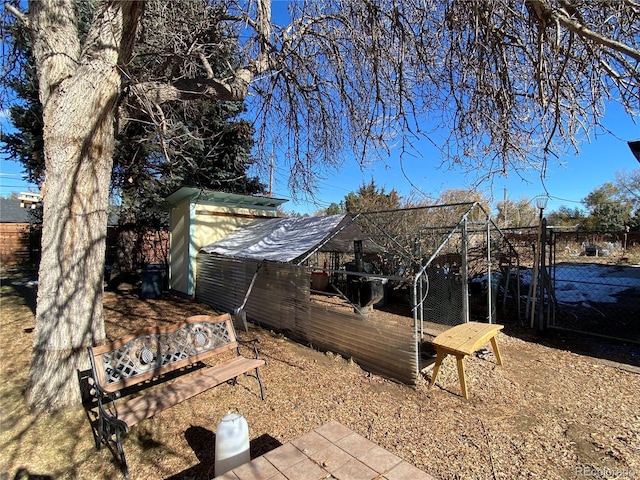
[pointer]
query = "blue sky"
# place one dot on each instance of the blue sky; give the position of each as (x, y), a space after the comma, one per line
(568, 180)
(11, 172)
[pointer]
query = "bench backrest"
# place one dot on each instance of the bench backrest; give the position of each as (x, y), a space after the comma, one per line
(155, 351)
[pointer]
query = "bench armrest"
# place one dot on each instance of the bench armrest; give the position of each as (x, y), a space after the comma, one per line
(108, 413)
(94, 375)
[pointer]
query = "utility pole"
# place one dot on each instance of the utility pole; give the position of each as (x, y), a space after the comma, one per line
(504, 207)
(271, 168)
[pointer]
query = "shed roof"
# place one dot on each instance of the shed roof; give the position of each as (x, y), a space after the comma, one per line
(289, 239)
(223, 198)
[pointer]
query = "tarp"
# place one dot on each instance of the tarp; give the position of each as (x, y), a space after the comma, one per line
(343, 240)
(287, 239)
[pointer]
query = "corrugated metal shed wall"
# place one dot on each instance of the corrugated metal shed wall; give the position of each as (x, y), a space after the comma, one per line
(280, 299)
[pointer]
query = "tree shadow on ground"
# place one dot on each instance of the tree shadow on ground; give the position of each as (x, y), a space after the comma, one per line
(126, 312)
(24, 474)
(24, 284)
(610, 350)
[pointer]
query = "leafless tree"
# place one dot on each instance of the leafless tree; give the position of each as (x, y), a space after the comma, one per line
(510, 82)
(521, 213)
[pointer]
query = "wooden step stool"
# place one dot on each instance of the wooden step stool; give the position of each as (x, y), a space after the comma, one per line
(463, 340)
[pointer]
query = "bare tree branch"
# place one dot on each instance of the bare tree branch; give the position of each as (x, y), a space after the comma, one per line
(546, 13)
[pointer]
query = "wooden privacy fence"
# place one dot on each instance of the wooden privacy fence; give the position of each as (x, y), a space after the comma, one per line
(280, 299)
(19, 244)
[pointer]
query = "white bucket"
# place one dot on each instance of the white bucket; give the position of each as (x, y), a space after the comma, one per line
(232, 443)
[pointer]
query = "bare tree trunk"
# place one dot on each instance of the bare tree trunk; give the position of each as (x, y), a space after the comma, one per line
(76, 192)
(79, 94)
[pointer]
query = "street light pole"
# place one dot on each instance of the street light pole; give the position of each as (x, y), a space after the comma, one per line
(541, 203)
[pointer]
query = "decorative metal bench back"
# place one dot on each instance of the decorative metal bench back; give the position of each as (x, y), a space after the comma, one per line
(154, 351)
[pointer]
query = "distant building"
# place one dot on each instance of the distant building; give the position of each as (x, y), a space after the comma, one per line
(30, 199)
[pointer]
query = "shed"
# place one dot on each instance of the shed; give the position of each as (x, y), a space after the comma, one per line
(199, 217)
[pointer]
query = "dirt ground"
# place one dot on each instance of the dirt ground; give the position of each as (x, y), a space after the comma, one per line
(558, 409)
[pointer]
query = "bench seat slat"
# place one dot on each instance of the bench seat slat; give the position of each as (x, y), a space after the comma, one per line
(140, 408)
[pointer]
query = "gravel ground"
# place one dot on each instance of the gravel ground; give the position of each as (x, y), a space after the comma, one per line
(548, 413)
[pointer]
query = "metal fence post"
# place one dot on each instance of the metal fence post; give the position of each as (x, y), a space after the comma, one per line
(465, 273)
(543, 274)
(489, 282)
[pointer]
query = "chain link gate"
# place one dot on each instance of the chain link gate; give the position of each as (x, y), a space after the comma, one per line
(586, 288)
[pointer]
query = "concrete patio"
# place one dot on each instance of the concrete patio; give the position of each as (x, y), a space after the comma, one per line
(331, 451)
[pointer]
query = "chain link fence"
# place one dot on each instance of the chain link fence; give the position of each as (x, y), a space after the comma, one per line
(591, 281)
(437, 266)
(447, 264)
(596, 284)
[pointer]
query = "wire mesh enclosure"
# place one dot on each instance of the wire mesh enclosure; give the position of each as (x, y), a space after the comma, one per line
(438, 266)
(372, 285)
(594, 288)
(597, 298)
(380, 282)
(589, 282)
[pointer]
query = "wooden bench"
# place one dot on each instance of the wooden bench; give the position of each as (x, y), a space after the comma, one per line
(155, 356)
(463, 340)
